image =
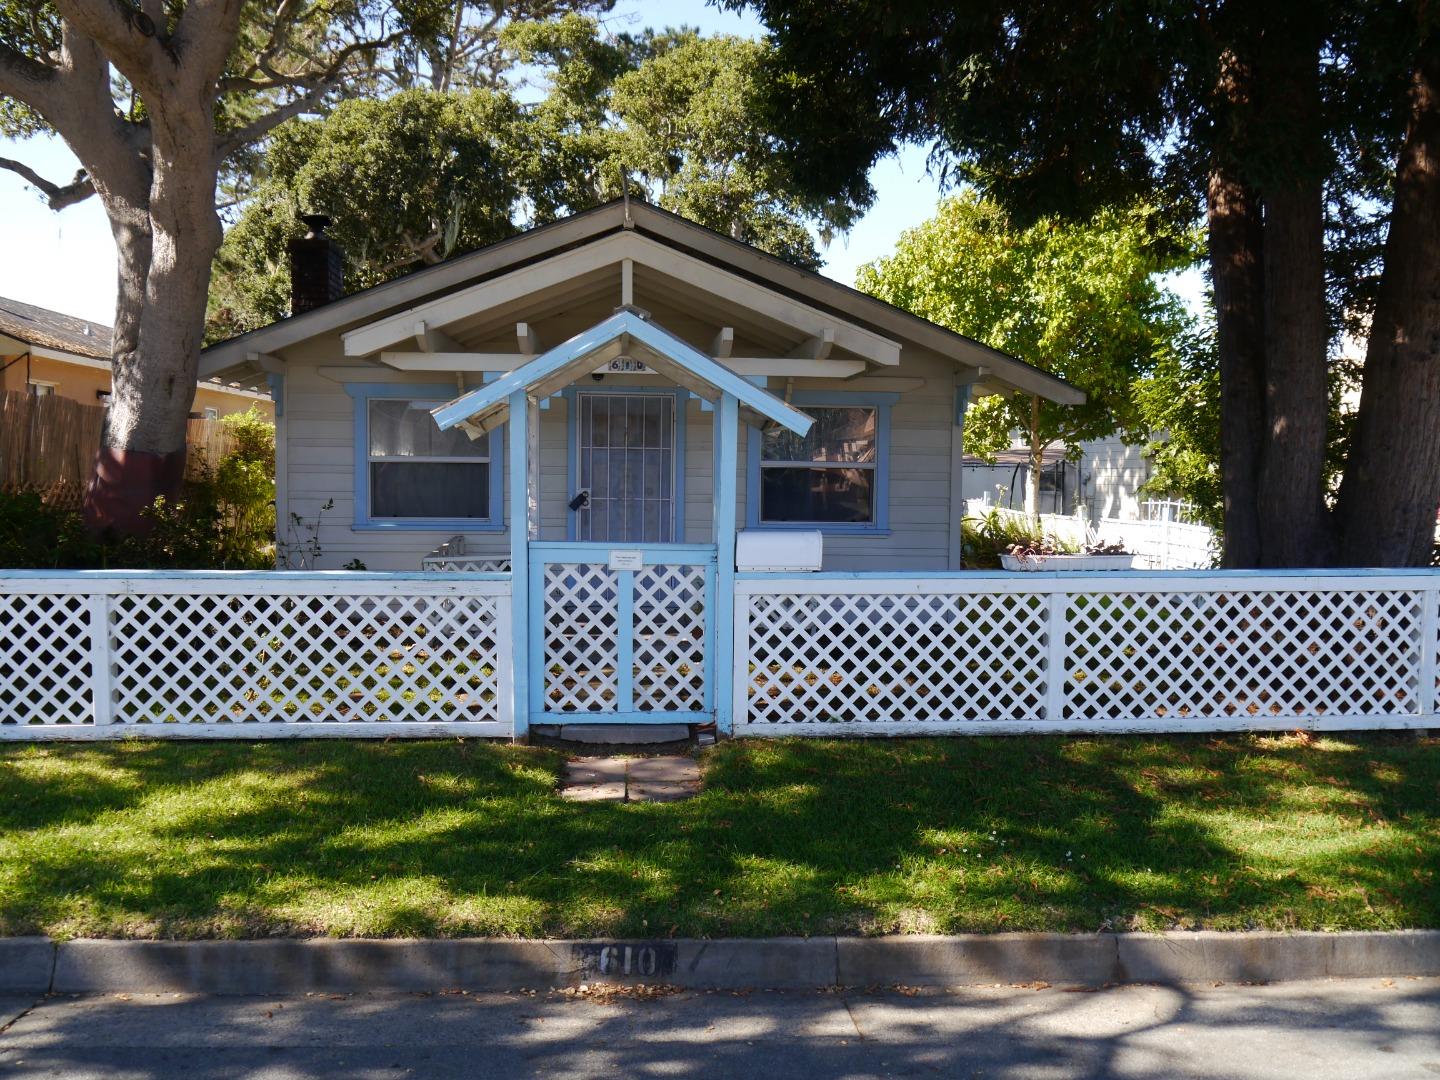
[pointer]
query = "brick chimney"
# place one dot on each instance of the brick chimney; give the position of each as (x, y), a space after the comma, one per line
(317, 267)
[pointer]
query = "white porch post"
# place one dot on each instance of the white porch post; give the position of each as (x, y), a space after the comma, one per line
(518, 431)
(957, 473)
(727, 439)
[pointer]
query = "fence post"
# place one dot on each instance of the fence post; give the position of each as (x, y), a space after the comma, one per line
(740, 662)
(1055, 656)
(102, 704)
(1428, 699)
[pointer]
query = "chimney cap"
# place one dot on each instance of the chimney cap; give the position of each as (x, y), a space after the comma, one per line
(316, 223)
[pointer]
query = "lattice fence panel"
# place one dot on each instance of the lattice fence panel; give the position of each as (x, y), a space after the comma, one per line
(45, 659)
(181, 658)
(669, 638)
(1266, 654)
(581, 638)
(856, 657)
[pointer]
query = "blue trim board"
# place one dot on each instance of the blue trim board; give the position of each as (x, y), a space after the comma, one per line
(277, 393)
(882, 403)
(521, 598)
(719, 639)
(363, 393)
(655, 338)
(572, 449)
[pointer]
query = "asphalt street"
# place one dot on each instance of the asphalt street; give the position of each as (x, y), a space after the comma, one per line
(1345, 1030)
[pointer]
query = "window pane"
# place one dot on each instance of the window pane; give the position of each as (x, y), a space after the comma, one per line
(406, 429)
(833, 495)
(839, 434)
(429, 489)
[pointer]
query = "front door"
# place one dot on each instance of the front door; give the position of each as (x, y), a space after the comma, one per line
(625, 466)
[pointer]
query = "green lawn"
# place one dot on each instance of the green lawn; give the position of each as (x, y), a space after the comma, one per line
(159, 839)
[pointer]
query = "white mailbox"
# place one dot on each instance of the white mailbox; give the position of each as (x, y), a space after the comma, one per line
(776, 551)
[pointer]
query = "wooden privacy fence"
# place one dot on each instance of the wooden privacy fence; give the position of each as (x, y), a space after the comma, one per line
(1092, 652)
(48, 444)
(247, 654)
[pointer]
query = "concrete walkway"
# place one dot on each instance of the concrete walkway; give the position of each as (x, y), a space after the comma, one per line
(667, 778)
(1343, 1030)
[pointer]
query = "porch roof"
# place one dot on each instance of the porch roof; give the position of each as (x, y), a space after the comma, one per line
(625, 331)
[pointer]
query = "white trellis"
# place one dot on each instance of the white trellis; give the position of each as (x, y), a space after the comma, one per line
(1209, 651)
(253, 655)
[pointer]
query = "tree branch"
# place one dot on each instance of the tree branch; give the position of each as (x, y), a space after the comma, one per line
(28, 81)
(319, 83)
(58, 196)
(129, 37)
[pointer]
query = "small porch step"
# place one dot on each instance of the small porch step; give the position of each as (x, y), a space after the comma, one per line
(615, 734)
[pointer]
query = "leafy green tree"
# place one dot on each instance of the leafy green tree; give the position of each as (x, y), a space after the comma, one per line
(1307, 137)
(673, 111)
(160, 99)
(438, 172)
(1080, 300)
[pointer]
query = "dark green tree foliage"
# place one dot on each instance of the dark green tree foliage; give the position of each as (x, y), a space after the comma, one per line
(411, 179)
(1307, 136)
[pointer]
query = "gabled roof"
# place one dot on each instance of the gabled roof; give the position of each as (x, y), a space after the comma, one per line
(233, 359)
(54, 330)
(674, 358)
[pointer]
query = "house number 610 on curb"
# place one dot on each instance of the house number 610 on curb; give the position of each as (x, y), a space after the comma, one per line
(628, 960)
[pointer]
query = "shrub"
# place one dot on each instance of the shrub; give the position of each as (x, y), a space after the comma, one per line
(223, 518)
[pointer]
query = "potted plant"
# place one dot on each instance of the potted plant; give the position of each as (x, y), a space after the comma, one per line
(1047, 554)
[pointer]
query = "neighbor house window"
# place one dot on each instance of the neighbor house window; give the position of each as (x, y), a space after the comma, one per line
(212, 413)
(415, 470)
(42, 389)
(831, 477)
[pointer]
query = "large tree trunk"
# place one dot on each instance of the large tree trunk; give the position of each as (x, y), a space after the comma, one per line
(1291, 489)
(1237, 276)
(166, 238)
(1391, 489)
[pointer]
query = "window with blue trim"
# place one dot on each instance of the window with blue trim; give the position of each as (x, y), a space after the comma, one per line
(418, 471)
(411, 475)
(833, 478)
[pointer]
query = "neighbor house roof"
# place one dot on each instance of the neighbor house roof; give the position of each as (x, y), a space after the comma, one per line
(54, 330)
(69, 339)
(241, 356)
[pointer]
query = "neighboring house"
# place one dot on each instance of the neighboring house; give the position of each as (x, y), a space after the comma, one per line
(45, 352)
(1104, 484)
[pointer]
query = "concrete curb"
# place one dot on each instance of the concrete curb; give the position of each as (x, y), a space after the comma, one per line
(328, 965)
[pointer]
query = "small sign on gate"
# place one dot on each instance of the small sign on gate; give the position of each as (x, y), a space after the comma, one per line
(626, 559)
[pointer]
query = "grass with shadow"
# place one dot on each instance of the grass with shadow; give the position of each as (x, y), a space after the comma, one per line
(161, 839)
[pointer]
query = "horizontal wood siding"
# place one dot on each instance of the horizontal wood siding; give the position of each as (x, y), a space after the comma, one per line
(320, 466)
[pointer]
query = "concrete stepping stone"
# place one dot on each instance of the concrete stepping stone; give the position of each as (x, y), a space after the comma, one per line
(668, 778)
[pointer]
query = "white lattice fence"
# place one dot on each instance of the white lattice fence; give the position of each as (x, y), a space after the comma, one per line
(1105, 652)
(618, 641)
(253, 655)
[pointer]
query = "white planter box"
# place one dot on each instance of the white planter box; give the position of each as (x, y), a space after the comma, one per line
(1068, 562)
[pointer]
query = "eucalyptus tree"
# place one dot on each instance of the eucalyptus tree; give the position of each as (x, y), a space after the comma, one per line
(1306, 136)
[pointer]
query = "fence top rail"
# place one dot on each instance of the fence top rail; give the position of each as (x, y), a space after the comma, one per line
(1432, 573)
(1107, 581)
(298, 576)
(251, 582)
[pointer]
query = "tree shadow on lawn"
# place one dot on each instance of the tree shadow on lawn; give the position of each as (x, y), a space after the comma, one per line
(790, 836)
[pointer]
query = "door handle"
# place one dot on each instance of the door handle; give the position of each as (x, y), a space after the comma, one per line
(581, 501)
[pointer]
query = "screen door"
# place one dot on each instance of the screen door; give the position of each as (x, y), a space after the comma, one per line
(626, 460)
